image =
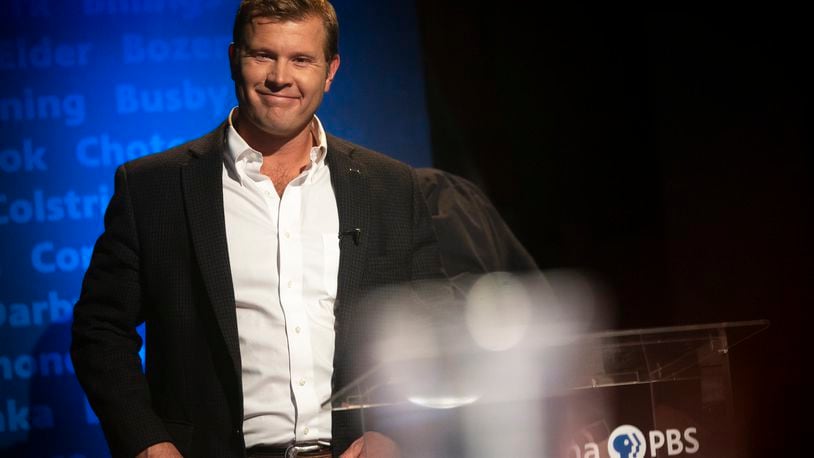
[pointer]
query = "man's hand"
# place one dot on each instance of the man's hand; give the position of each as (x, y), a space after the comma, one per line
(160, 450)
(372, 445)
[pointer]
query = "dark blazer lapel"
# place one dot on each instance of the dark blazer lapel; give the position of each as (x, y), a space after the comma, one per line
(203, 197)
(349, 182)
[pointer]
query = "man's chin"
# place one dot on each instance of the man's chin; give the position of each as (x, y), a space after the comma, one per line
(276, 127)
(280, 130)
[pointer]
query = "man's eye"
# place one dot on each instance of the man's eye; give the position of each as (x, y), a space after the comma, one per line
(259, 56)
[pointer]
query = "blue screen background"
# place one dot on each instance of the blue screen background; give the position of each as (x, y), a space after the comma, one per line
(88, 84)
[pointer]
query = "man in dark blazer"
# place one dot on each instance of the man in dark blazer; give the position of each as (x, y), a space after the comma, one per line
(163, 258)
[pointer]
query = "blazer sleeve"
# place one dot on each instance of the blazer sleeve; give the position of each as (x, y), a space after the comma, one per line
(426, 256)
(473, 237)
(105, 345)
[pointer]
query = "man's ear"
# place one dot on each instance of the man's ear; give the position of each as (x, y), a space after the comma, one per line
(233, 61)
(333, 66)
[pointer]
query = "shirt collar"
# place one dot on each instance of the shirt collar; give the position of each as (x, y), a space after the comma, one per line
(237, 148)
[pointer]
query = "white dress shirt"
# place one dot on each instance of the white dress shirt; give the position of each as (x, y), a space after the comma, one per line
(284, 257)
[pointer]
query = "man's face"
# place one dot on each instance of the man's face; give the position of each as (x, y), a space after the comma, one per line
(281, 74)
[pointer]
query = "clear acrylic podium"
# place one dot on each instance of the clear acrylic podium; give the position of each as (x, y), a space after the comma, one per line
(672, 384)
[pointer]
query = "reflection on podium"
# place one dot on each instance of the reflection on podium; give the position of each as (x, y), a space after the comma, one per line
(656, 392)
(511, 372)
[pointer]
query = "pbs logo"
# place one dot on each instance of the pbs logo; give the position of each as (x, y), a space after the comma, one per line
(627, 441)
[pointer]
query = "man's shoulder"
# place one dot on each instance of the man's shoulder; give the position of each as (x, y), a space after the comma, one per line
(177, 156)
(374, 161)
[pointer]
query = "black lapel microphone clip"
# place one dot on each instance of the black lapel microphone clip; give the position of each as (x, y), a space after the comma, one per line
(356, 233)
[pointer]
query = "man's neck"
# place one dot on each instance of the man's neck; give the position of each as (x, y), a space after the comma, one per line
(283, 158)
(268, 145)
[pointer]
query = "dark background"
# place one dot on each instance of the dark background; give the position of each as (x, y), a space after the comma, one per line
(666, 152)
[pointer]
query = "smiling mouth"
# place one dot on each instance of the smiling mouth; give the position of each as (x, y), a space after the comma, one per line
(271, 96)
(276, 100)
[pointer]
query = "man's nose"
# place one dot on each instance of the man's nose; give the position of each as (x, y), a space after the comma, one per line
(278, 74)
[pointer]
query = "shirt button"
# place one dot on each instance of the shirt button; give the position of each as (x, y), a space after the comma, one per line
(306, 430)
(290, 284)
(302, 382)
(297, 329)
(287, 235)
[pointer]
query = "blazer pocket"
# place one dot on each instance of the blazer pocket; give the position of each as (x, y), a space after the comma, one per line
(181, 433)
